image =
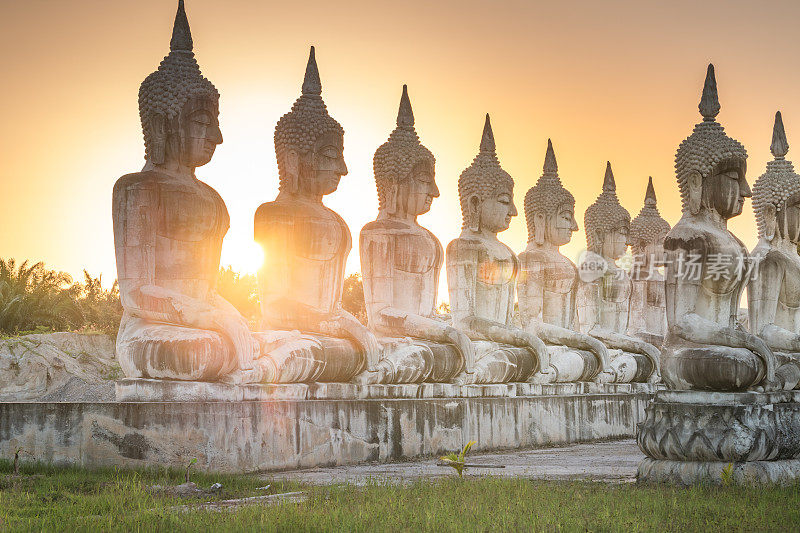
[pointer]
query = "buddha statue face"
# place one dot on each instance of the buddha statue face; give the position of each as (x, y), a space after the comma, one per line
(789, 220)
(724, 191)
(418, 190)
(614, 242)
(326, 166)
(496, 211)
(198, 132)
(560, 225)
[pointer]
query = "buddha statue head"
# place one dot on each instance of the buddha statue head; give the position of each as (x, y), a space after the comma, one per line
(549, 207)
(648, 230)
(179, 108)
(485, 190)
(710, 166)
(607, 223)
(776, 193)
(309, 143)
(404, 169)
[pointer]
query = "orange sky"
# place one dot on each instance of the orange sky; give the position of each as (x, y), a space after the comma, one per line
(610, 80)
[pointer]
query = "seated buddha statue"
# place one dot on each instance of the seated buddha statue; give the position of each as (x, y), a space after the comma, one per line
(604, 294)
(400, 264)
(773, 293)
(307, 336)
(168, 231)
(548, 280)
(648, 317)
(705, 347)
(482, 273)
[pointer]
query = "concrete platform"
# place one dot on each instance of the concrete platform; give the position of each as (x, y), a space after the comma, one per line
(282, 434)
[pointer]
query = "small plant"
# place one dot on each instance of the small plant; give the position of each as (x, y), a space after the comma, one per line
(17, 453)
(189, 467)
(727, 475)
(457, 460)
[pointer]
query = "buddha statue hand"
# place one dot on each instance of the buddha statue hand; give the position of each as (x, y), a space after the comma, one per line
(464, 345)
(343, 321)
(760, 348)
(228, 319)
(546, 373)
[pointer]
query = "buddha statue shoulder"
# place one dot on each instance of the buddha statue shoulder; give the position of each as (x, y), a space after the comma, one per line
(168, 231)
(306, 335)
(400, 264)
(705, 347)
(604, 294)
(773, 292)
(548, 280)
(648, 317)
(482, 273)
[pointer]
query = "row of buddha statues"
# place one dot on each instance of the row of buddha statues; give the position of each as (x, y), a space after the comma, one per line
(608, 326)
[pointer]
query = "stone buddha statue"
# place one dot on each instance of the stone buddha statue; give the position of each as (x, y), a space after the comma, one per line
(705, 347)
(168, 231)
(482, 274)
(307, 335)
(401, 262)
(548, 280)
(604, 294)
(773, 293)
(648, 316)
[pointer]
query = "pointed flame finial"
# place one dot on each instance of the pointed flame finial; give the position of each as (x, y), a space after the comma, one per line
(550, 164)
(709, 102)
(311, 83)
(650, 195)
(405, 115)
(181, 34)
(487, 139)
(609, 185)
(779, 146)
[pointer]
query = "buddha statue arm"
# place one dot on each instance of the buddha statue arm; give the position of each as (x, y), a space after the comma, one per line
(462, 279)
(763, 293)
(682, 293)
(140, 292)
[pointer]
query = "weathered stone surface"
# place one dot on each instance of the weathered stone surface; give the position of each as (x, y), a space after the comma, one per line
(604, 293)
(482, 272)
(548, 280)
(782, 472)
(57, 366)
(725, 427)
(283, 434)
(306, 245)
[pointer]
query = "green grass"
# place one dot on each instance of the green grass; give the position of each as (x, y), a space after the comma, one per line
(49, 499)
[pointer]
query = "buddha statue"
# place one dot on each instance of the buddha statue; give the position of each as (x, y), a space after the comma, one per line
(307, 336)
(604, 294)
(648, 316)
(773, 293)
(705, 347)
(482, 274)
(400, 264)
(168, 231)
(548, 280)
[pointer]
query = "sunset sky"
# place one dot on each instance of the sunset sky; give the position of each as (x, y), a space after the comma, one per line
(608, 80)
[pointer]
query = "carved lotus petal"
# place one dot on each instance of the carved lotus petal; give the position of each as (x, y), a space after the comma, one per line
(670, 446)
(699, 448)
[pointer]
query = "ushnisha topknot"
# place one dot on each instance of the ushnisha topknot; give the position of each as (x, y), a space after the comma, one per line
(165, 91)
(306, 122)
(483, 177)
(648, 224)
(396, 158)
(548, 194)
(605, 214)
(708, 146)
(778, 183)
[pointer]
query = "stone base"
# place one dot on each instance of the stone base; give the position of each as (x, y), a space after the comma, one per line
(153, 390)
(287, 426)
(783, 472)
(691, 436)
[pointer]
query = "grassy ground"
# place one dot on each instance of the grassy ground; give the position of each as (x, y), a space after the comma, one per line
(57, 499)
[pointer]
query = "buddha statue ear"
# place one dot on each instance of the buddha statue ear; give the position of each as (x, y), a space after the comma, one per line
(157, 142)
(292, 162)
(391, 198)
(771, 222)
(694, 184)
(539, 228)
(474, 213)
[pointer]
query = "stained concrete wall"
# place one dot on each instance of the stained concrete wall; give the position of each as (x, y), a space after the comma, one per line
(286, 434)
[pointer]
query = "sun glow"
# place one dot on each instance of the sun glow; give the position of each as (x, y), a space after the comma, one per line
(243, 256)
